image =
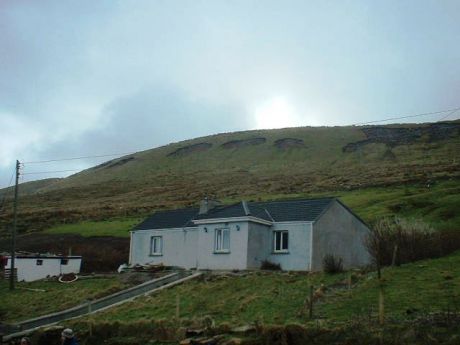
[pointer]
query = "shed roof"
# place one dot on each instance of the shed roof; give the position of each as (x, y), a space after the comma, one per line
(278, 211)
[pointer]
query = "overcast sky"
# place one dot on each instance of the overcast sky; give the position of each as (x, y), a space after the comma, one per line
(90, 77)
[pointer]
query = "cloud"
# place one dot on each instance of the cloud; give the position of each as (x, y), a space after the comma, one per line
(18, 135)
(157, 115)
(151, 117)
(84, 77)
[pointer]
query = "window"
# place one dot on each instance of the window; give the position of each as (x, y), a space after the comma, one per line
(280, 241)
(64, 261)
(156, 245)
(39, 262)
(222, 241)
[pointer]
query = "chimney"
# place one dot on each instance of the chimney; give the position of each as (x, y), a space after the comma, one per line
(208, 204)
(246, 208)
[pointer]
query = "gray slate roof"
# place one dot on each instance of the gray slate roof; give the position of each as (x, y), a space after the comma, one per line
(278, 211)
(180, 218)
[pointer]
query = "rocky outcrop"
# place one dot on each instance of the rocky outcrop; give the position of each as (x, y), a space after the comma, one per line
(288, 143)
(114, 163)
(405, 135)
(236, 144)
(186, 150)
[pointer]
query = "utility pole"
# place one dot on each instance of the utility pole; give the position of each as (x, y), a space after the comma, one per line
(15, 220)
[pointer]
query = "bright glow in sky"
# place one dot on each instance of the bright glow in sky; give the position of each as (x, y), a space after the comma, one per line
(276, 113)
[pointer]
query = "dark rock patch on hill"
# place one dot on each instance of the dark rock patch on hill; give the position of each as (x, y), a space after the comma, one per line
(186, 150)
(288, 143)
(405, 135)
(114, 162)
(235, 144)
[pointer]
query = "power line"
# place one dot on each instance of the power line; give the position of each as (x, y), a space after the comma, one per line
(50, 172)
(409, 116)
(451, 111)
(76, 158)
(445, 117)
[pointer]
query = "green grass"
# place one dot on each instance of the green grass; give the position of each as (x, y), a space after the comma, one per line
(117, 228)
(273, 297)
(270, 297)
(277, 298)
(424, 287)
(436, 205)
(22, 304)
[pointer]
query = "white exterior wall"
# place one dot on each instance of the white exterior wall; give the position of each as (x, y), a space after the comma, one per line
(250, 244)
(340, 233)
(179, 247)
(298, 257)
(236, 258)
(28, 270)
(259, 245)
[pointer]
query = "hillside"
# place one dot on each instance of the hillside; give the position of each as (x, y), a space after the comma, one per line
(28, 188)
(260, 164)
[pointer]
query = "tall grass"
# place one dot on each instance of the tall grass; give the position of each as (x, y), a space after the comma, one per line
(395, 240)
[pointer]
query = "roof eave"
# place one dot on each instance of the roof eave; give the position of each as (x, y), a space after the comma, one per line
(232, 219)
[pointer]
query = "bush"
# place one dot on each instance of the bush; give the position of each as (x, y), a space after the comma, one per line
(268, 265)
(332, 264)
(398, 241)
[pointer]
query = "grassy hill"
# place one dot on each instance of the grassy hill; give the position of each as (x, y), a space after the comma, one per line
(262, 164)
(421, 304)
(437, 205)
(417, 295)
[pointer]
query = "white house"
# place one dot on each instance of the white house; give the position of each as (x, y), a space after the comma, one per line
(30, 267)
(296, 234)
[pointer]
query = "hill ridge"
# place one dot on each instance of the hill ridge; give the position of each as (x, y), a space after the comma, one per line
(154, 179)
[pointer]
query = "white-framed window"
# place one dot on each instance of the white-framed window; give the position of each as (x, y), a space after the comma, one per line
(281, 241)
(156, 245)
(222, 241)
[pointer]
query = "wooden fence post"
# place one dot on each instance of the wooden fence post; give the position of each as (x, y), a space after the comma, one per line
(90, 323)
(381, 305)
(177, 307)
(395, 253)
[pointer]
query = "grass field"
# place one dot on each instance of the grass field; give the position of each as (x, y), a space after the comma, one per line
(278, 297)
(421, 287)
(116, 227)
(272, 298)
(23, 303)
(436, 205)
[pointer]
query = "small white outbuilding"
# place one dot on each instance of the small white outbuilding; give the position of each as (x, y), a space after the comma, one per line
(30, 267)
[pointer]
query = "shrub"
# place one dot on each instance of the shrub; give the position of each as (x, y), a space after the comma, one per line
(332, 264)
(398, 241)
(268, 265)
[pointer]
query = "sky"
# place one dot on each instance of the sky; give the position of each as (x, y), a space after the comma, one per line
(84, 78)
